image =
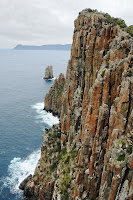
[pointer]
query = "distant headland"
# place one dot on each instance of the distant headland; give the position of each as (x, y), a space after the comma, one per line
(65, 47)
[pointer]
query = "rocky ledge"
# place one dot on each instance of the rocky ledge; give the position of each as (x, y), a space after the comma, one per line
(89, 154)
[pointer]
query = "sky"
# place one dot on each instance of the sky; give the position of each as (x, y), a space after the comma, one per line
(39, 22)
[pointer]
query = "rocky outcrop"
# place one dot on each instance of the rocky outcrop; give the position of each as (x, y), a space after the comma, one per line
(49, 72)
(89, 154)
(24, 182)
(53, 100)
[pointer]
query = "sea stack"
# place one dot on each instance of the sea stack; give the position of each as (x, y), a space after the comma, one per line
(49, 72)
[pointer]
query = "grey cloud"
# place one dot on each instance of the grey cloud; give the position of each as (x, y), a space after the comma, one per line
(50, 21)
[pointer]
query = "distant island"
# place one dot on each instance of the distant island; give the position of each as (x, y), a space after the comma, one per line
(65, 47)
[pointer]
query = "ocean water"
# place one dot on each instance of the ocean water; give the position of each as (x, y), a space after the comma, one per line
(22, 119)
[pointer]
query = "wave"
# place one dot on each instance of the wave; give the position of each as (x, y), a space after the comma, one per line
(44, 116)
(19, 169)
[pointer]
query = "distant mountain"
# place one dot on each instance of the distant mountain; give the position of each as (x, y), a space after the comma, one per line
(65, 47)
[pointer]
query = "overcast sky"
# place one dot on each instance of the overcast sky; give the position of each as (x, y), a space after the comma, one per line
(41, 22)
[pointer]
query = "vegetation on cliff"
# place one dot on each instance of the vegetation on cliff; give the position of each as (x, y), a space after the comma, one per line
(130, 30)
(108, 19)
(89, 154)
(112, 20)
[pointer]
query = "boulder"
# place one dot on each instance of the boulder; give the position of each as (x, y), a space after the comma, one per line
(24, 182)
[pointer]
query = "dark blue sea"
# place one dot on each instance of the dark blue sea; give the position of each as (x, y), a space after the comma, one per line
(22, 119)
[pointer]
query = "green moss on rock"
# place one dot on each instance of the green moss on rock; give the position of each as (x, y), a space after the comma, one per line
(129, 149)
(121, 157)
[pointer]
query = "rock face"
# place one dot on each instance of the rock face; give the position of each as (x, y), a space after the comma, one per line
(89, 154)
(48, 72)
(53, 100)
(24, 182)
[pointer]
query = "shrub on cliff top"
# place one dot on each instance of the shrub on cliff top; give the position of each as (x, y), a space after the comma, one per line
(129, 29)
(108, 19)
(114, 21)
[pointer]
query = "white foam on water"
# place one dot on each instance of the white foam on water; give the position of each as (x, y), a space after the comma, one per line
(43, 116)
(19, 169)
(51, 79)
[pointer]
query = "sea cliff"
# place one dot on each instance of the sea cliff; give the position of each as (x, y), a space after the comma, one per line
(89, 154)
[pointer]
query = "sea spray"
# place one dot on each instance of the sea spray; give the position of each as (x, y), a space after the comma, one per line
(20, 168)
(43, 116)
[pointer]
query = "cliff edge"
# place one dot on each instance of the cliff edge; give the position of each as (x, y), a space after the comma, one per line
(89, 154)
